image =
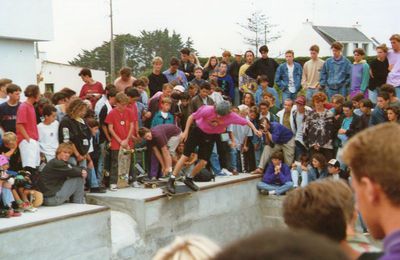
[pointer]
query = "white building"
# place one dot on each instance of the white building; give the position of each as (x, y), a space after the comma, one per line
(56, 76)
(324, 36)
(23, 23)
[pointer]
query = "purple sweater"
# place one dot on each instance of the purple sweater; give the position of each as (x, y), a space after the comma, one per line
(280, 179)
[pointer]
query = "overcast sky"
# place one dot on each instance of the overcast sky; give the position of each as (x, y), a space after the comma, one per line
(212, 24)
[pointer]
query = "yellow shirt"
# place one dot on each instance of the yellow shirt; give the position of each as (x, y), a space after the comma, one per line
(311, 73)
(246, 83)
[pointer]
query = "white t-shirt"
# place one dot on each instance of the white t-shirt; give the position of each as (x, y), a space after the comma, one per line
(48, 139)
(299, 122)
(240, 132)
(291, 86)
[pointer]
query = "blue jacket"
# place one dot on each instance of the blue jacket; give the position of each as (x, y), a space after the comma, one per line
(336, 74)
(313, 174)
(378, 116)
(258, 95)
(280, 134)
(282, 76)
(280, 179)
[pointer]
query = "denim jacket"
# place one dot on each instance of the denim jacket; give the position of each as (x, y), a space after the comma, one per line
(282, 76)
(336, 74)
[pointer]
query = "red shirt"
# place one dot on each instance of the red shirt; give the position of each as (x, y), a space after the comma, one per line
(121, 122)
(87, 89)
(27, 117)
(133, 108)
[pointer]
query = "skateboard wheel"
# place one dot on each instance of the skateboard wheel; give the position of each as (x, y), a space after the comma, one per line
(154, 186)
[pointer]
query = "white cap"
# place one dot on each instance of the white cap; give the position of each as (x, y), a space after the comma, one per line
(179, 88)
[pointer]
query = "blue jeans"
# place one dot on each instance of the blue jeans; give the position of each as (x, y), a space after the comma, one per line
(330, 92)
(309, 94)
(214, 161)
(299, 149)
(288, 95)
(397, 88)
(295, 177)
(279, 190)
(6, 196)
(276, 96)
(92, 177)
(104, 161)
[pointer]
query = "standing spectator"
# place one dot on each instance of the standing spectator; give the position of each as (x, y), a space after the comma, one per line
(336, 72)
(372, 156)
(210, 67)
(140, 86)
(8, 109)
(311, 73)
(3, 89)
(263, 87)
(198, 77)
(48, 132)
(234, 73)
(103, 100)
(297, 118)
(247, 84)
(277, 178)
(27, 130)
(91, 90)
(379, 72)
(263, 66)
(202, 98)
(66, 96)
(226, 57)
(379, 116)
(185, 65)
(120, 127)
(319, 128)
(288, 77)
(193, 59)
(124, 80)
(225, 81)
(248, 100)
(394, 63)
(157, 79)
(359, 74)
(266, 113)
(285, 114)
(174, 74)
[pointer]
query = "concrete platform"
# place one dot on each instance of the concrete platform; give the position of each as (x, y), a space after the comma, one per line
(70, 231)
(143, 220)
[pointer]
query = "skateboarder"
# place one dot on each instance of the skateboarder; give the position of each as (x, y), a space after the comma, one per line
(211, 121)
(163, 139)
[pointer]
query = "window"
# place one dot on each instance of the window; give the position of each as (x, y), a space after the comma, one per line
(345, 49)
(49, 87)
(365, 47)
(355, 45)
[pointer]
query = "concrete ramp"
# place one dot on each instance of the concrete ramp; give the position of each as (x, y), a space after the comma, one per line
(69, 231)
(225, 210)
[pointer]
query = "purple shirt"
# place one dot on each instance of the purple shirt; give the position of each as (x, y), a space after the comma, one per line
(394, 75)
(211, 123)
(391, 246)
(162, 133)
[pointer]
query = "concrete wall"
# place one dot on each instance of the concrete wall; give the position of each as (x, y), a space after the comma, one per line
(224, 214)
(64, 75)
(26, 19)
(17, 61)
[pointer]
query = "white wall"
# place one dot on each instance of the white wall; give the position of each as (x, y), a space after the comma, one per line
(26, 19)
(63, 75)
(17, 61)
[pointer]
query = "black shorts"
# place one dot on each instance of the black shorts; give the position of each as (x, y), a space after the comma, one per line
(205, 142)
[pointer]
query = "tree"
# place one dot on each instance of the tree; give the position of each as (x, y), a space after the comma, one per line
(136, 52)
(259, 30)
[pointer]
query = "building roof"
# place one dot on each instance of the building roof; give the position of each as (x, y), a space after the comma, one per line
(341, 34)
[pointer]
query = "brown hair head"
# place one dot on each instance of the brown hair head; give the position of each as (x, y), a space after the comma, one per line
(319, 97)
(75, 107)
(314, 48)
(337, 46)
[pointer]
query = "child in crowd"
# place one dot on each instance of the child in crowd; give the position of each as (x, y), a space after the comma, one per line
(192, 90)
(198, 77)
(240, 145)
(184, 110)
(6, 182)
(163, 116)
(271, 100)
(277, 179)
(25, 196)
(10, 149)
(264, 88)
(120, 126)
(48, 132)
(145, 84)
(301, 167)
(140, 86)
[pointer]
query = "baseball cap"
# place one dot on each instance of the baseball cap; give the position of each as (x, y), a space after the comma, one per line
(179, 88)
(335, 163)
(301, 100)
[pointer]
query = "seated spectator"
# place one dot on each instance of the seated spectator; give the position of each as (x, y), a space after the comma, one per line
(393, 114)
(366, 107)
(336, 172)
(356, 103)
(6, 182)
(379, 116)
(282, 245)
(324, 213)
(60, 181)
(188, 248)
(373, 156)
(277, 179)
(10, 149)
(301, 167)
(394, 100)
(319, 168)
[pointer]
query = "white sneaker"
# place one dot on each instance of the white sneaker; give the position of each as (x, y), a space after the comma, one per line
(226, 172)
(113, 187)
(135, 184)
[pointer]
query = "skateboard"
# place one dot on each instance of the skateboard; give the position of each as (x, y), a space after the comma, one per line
(124, 162)
(154, 183)
(180, 190)
(139, 158)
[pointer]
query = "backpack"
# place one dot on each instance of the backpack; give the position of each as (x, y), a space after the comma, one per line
(204, 176)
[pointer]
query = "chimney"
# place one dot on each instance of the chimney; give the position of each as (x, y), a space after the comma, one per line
(308, 22)
(357, 25)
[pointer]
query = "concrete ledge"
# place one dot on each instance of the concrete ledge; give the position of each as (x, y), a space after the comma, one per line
(70, 231)
(225, 210)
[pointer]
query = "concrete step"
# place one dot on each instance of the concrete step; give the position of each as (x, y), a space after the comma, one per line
(69, 231)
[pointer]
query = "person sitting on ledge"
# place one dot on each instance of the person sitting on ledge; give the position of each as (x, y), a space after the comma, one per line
(60, 181)
(277, 177)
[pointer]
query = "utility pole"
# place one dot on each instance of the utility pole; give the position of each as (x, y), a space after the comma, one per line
(112, 58)
(265, 34)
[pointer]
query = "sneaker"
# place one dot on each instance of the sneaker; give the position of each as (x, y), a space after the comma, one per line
(12, 213)
(97, 190)
(228, 173)
(113, 187)
(135, 184)
(171, 186)
(189, 182)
